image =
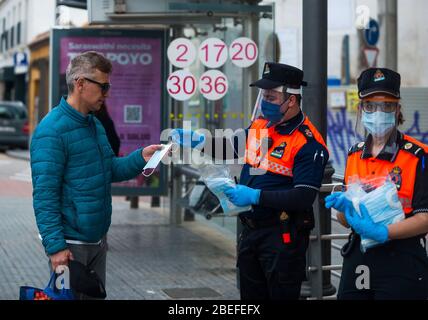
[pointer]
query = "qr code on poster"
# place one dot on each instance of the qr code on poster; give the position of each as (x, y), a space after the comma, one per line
(133, 113)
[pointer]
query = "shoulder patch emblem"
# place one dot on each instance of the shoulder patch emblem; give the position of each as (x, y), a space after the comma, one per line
(408, 145)
(356, 147)
(413, 148)
(309, 133)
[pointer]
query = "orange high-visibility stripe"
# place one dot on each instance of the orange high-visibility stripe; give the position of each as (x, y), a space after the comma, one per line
(294, 142)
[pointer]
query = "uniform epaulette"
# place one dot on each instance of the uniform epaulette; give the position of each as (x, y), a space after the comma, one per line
(412, 148)
(356, 147)
(306, 131)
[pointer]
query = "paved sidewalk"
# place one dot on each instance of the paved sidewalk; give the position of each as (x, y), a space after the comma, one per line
(147, 258)
(19, 154)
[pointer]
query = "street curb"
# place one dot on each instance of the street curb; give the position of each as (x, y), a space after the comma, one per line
(22, 155)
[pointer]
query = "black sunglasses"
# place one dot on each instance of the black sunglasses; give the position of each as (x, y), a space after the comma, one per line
(105, 87)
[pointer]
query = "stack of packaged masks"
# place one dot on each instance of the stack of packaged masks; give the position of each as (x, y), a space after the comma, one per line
(382, 204)
(218, 179)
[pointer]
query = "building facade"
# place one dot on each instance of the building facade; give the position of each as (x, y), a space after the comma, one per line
(20, 22)
(411, 37)
(24, 50)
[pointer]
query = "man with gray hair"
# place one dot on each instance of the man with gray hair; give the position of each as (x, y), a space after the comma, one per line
(73, 167)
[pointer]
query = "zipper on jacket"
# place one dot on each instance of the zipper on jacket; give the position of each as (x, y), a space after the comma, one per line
(94, 130)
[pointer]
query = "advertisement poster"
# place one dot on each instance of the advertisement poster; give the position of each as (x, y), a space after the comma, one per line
(136, 95)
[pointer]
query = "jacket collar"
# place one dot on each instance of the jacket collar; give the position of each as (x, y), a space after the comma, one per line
(288, 127)
(389, 151)
(73, 113)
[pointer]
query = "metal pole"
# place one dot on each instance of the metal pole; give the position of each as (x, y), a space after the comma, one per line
(251, 74)
(176, 210)
(314, 260)
(388, 35)
(315, 62)
(346, 73)
(249, 96)
(188, 214)
(315, 107)
(175, 217)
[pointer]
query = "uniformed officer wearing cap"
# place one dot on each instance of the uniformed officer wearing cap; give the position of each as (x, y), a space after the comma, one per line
(273, 243)
(398, 267)
(285, 158)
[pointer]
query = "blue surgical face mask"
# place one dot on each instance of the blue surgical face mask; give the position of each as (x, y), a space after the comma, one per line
(378, 123)
(271, 111)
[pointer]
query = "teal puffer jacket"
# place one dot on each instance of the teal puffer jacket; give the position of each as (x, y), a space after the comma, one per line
(72, 167)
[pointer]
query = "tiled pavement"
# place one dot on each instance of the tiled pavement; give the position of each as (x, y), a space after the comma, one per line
(146, 255)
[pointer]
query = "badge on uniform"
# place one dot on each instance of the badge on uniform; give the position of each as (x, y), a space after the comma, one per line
(284, 216)
(378, 76)
(395, 176)
(267, 69)
(308, 133)
(278, 152)
(408, 145)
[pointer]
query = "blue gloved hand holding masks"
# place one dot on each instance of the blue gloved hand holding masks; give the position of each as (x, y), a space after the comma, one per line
(338, 201)
(187, 138)
(242, 196)
(364, 225)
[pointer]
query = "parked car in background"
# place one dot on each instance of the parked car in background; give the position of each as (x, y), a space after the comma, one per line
(14, 127)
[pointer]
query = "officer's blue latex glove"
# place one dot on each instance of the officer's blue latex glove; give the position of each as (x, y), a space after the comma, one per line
(242, 196)
(365, 226)
(187, 138)
(338, 201)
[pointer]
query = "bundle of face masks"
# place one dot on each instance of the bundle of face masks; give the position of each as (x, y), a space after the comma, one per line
(218, 179)
(382, 205)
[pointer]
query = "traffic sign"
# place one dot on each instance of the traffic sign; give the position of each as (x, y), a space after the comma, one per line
(20, 62)
(371, 56)
(371, 34)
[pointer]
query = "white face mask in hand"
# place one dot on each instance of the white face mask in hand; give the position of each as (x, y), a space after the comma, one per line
(156, 158)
